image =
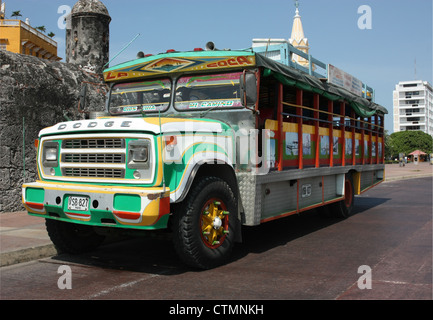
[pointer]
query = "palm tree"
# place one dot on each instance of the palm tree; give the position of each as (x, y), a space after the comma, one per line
(51, 34)
(41, 28)
(16, 14)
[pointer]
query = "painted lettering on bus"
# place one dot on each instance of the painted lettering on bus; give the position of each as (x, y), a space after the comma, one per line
(94, 124)
(235, 61)
(111, 76)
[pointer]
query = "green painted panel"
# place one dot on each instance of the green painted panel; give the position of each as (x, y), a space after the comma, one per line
(36, 195)
(127, 202)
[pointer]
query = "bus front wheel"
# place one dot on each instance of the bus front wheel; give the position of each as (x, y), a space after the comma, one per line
(204, 225)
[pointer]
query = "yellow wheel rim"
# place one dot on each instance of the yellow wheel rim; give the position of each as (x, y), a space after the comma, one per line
(214, 223)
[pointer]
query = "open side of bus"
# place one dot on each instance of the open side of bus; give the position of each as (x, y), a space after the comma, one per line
(322, 148)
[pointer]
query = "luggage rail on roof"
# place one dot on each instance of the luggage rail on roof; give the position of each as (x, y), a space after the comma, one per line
(282, 51)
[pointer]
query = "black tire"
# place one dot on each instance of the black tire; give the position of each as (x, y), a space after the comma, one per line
(344, 209)
(72, 238)
(199, 242)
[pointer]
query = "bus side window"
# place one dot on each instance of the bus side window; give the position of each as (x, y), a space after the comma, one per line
(267, 101)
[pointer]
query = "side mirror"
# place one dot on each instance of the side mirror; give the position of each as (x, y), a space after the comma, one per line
(248, 88)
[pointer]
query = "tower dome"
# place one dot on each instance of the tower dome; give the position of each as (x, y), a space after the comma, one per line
(87, 35)
(89, 6)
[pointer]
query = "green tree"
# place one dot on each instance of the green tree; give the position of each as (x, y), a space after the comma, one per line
(409, 141)
(389, 152)
(41, 28)
(16, 14)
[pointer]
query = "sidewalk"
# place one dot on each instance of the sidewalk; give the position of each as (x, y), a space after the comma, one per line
(23, 237)
(409, 171)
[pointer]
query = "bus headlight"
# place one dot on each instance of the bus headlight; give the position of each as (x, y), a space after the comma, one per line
(138, 154)
(50, 154)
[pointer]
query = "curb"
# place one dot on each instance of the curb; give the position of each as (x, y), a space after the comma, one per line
(408, 177)
(27, 254)
(38, 252)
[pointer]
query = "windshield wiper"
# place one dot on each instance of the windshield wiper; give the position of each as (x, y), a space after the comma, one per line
(207, 111)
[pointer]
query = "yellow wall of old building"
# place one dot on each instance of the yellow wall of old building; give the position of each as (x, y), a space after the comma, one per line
(22, 38)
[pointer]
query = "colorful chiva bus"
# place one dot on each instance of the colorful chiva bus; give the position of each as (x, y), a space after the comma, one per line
(201, 143)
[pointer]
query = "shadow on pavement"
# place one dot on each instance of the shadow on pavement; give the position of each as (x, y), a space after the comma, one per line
(155, 254)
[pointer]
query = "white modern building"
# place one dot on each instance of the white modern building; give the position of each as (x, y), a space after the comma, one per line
(413, 106)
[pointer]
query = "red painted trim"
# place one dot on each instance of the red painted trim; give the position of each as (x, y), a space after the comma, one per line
(164, 206)
(368, 188)
(299, 102)
(280, 216)
(280, 127)
(353, 122)
(316, 98)
(331, 133)
(127, 215)
(343, 132)
(290, 213)
(37, 206)
(78, 215)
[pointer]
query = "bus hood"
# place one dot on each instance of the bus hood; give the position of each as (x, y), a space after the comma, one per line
(153, 125)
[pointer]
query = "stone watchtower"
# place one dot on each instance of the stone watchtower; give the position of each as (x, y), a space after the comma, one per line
(88, 35)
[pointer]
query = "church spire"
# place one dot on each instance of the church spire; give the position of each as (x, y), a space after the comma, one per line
(297, 38)
(297, 29)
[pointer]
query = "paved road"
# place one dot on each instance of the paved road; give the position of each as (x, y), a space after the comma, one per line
(299, 257)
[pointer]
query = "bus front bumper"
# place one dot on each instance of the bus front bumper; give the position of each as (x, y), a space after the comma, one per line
(115, 206)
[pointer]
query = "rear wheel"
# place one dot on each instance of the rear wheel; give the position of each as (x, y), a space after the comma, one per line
(204, 225)
(71, 237)
(344, 208)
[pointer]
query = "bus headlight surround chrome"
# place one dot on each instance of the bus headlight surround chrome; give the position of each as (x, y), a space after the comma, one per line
(138, 154)
(50, 154)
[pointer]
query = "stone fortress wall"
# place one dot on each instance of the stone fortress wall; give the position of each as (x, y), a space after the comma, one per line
(36, 93)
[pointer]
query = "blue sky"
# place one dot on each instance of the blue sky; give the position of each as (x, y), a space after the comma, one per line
(401, 32)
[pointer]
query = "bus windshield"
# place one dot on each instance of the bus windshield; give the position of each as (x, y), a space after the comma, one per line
(140, 97)
(208, 91)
